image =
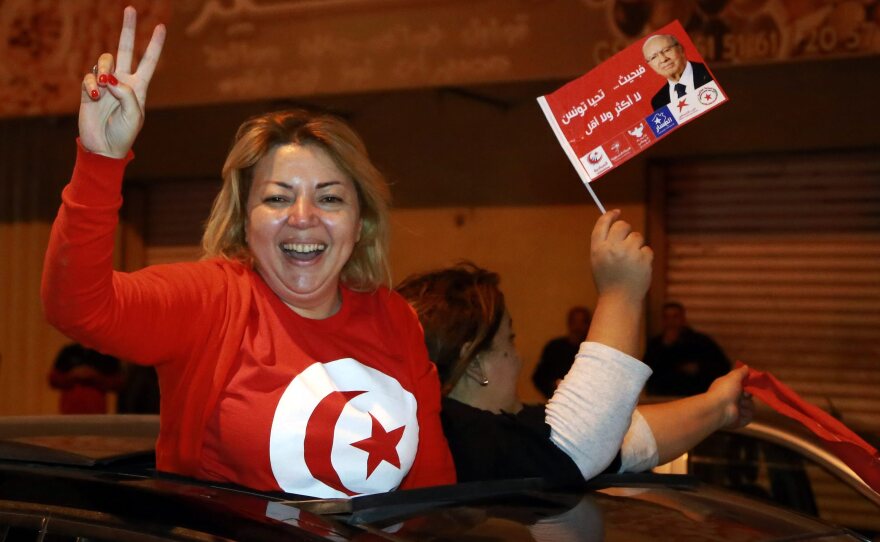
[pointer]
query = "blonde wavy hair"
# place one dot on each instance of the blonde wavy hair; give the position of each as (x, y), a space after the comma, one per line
(225, 236)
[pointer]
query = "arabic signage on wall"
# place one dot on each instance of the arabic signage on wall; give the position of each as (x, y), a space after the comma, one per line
(755, 31)
(237, 50)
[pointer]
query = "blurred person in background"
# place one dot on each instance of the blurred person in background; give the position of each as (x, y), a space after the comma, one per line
(558, 354)
(84, 377)
(684, 361)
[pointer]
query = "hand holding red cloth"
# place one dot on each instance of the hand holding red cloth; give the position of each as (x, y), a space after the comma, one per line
(838, 439)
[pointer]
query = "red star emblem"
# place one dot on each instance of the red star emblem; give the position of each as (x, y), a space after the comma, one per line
(682, 104)
(381, 446)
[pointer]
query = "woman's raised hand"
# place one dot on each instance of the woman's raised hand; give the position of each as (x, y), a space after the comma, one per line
(621, 260)
(111, 110)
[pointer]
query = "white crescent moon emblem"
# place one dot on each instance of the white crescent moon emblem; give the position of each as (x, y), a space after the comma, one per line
(325, 428)
(318, 444)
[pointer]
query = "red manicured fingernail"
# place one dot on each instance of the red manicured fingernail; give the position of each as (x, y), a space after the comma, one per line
(113, 81)
(94, 94)
(102, 79)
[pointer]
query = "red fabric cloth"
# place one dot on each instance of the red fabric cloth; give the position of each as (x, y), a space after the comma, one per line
(196, 321)
(839, 439)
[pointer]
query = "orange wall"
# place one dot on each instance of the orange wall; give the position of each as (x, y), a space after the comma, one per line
(542, 254)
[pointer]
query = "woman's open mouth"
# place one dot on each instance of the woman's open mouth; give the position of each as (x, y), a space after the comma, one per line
(303, 252)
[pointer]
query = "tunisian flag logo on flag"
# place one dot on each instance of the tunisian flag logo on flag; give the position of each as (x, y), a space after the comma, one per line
(343, 429)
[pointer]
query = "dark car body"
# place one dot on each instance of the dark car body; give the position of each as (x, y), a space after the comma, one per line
(778, 460)
(81, 478)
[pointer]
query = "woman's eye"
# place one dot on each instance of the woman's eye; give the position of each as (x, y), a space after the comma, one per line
(330, 198)
(275, 199)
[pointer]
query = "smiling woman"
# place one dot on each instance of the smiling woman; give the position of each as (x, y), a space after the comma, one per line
(284, 361)
(291, 201)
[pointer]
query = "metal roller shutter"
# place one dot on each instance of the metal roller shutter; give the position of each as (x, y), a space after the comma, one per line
(778, 258)
(176, 212)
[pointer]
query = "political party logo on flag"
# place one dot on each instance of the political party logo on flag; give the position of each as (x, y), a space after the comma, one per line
(686, 107)
(682, 103)
(661, 121)
(596, 162)
(641, 135)
(618, 149)
(707, 96)
(595, 157)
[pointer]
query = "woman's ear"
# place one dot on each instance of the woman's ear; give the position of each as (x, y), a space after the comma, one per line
(465, 351)
(476, 371)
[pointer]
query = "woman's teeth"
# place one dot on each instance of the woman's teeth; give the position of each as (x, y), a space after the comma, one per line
(303, 248)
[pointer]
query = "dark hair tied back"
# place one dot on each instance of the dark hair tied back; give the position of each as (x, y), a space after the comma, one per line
(458, 306)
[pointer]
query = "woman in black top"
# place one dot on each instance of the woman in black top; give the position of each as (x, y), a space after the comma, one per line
(590, 424)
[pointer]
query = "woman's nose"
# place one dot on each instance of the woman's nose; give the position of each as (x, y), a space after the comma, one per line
(303, 213)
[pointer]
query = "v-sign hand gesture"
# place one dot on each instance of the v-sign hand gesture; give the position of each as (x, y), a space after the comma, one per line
(111, 110)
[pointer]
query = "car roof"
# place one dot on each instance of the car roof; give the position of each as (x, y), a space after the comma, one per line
(609, 507)
(118, 489)
(773, 427)
(84, 440)
(769, 425)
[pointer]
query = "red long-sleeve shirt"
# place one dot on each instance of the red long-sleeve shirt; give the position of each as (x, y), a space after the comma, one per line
(251, 392)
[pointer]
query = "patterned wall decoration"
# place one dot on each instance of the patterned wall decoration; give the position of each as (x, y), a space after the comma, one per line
(45, 44)
(222, 51)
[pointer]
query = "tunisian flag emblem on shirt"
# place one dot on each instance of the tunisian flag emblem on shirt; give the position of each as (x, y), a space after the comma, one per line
(343, 429)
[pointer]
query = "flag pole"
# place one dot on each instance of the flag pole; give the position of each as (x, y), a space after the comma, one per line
(595, 198)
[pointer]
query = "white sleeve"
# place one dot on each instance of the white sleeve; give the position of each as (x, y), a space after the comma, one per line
(590, 412)
(639, 451)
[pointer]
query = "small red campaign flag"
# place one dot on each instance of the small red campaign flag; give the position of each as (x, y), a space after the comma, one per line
(627, 103)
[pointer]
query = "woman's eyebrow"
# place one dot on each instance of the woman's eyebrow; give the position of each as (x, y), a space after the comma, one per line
(318, 186)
